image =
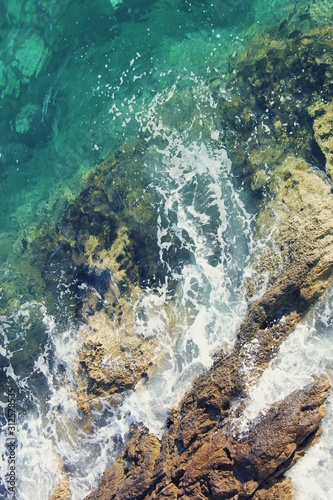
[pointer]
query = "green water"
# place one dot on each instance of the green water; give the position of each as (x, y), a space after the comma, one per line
(74, 74)
(76, 81)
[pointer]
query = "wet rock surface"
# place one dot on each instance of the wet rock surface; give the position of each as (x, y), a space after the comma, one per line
(94, 266)
(204, 456)
(277, 126)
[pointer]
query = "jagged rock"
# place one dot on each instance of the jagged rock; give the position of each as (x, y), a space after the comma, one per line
(295, 215)
(278, 129)
(97, 247)
(205, 459)
(282, 76)
(113, 358)
(281, 490)
(132, 474)
(323, 130)
(104, 252)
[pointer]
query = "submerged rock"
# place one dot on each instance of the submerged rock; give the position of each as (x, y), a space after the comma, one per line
(25, 117)
(105, 246)
(323, 130)
(30, 57)
(9, 82)
(278, 131)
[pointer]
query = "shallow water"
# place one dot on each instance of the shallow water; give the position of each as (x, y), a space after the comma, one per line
(99, 77)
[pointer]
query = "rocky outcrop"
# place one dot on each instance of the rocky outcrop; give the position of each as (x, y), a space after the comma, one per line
(105, 248)
(204, 454)
(207, 458)
(277, 125)
(278, 130)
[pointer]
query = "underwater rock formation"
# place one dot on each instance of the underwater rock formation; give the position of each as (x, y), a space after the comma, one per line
(323, 130)
(105, 246)
(278, 131)
(277, 126)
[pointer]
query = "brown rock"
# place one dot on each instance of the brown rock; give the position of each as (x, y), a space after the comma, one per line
(281, 490)
(219, 462)
(62, 491)
(130, 477)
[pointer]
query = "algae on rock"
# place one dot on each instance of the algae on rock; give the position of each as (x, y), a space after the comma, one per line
(30, 57)
(25, 117)
(105, 245)
(8, 81)
(323, 130)
(283, 149)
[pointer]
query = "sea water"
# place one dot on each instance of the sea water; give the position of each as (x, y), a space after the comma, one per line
(80, 80)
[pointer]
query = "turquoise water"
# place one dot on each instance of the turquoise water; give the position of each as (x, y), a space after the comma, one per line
(91, 68)
(80, 81)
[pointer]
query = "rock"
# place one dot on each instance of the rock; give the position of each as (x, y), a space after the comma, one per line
(9, 82)
(14, 10)
(25, 117)
(62, 491)
(297, 223)
(31, 57)
(130, 477)
(209, 459)
(278, 145)
(113, 358)
(259, 180)
(323, 131)
(104, 251)
(277, 125)
(282, 103)
(281, 490)
(97, 246)
(284, 151)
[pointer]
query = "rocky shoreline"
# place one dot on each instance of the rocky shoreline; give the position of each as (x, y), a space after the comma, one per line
(278, 128)
(90, 255)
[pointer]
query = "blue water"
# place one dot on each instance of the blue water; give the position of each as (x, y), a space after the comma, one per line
(79, 81)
